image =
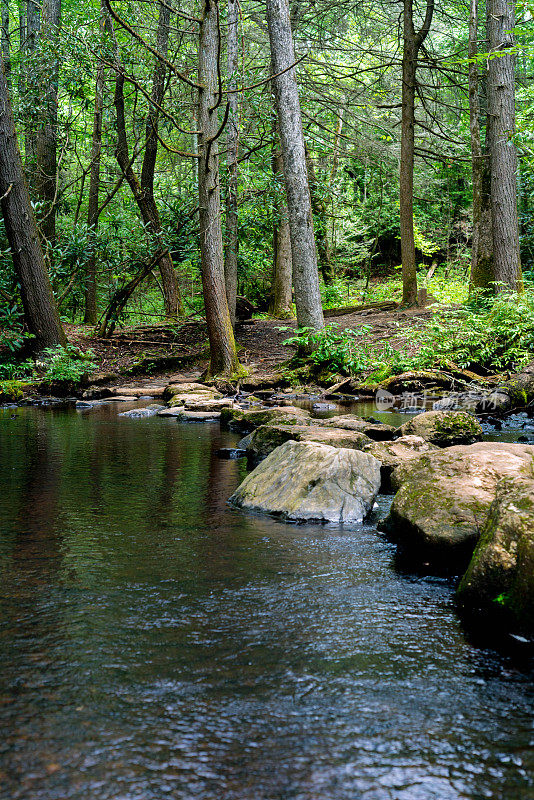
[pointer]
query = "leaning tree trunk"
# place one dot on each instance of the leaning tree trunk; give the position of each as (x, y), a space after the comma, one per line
(46, 138)
(232, 137)
(412, 42)
(281, 293)
(143, 190)
(503, 154)
(305, 273)
(91, 313)
(223, 356)
(31, 80)
(482, 275)
(40, 310)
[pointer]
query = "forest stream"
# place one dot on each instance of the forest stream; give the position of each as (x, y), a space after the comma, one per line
(155, 642)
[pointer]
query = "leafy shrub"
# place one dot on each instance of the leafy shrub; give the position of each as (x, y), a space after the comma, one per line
(66, 363)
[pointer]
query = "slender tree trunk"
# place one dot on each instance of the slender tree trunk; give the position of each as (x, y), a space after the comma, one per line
(6, 43)
(320, 223)
(503, 154)
(31, 80)
(40, 309)
(482, 276)
(281, 294)
(223, 357)
(46, 138)
(305, 273)
(412, 42)
(232, 137)
(91, 312)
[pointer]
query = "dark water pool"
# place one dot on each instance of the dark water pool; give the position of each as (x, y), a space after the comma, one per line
(155, 643)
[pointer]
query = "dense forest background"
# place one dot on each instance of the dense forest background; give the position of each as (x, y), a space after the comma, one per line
(107, 111)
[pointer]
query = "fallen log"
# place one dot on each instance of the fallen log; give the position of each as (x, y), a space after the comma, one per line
(386, 305)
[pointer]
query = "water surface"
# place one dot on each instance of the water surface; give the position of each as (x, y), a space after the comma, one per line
(156, 643)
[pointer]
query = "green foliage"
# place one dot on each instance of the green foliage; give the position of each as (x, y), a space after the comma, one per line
(489, 336)
(339, 350)
(66, 363)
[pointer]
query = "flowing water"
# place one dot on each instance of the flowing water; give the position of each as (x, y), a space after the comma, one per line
(156, 643)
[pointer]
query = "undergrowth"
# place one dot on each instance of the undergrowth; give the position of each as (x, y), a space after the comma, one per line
(489, 336)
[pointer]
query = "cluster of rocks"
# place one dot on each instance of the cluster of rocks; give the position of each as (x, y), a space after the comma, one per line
(458, 501)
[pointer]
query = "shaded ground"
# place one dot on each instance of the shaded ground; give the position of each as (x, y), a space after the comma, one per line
(169, 353)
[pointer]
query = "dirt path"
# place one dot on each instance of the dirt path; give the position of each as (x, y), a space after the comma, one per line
(155, 355)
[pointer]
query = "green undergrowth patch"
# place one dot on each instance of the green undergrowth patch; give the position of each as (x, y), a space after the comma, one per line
(486, 336)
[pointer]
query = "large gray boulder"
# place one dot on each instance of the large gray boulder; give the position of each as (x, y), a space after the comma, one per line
(444, 497)
(307, 481)
(444, 428)
(267, 438)
(500, 577)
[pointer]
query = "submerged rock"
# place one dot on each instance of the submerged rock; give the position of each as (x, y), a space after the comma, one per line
(500, 577)
(444, 497)
(444, 428)
(307, 481)
(231, 453)
(138, 413)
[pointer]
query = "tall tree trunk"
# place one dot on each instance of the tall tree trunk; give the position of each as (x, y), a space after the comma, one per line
(482, 276)
(412, 42)
(503, 155)
(223, 356)
(320, 223)
(40, 309)
(143, 190)
(281, 293)
(46, 138)
(31, 80)
(232, 137)
(6, 42)
(305, 273)
(91, 312)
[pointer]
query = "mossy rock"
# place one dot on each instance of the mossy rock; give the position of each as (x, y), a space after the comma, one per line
(500, 577)
(247, 420)
(267, 438)
(444, 498)
(444, 428)
(12, 391)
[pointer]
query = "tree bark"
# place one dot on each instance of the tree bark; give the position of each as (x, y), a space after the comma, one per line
(46, 138)
(91, 312)
(31, 87)
(281, 293)
(223, 356)
(503, 154)
(482, 275)
(412, 42)
(40, 309)
(232, 137)
(320, 223)
(304, 256)
(6, 43)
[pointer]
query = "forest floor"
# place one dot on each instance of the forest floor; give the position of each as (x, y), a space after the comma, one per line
(165, 354)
